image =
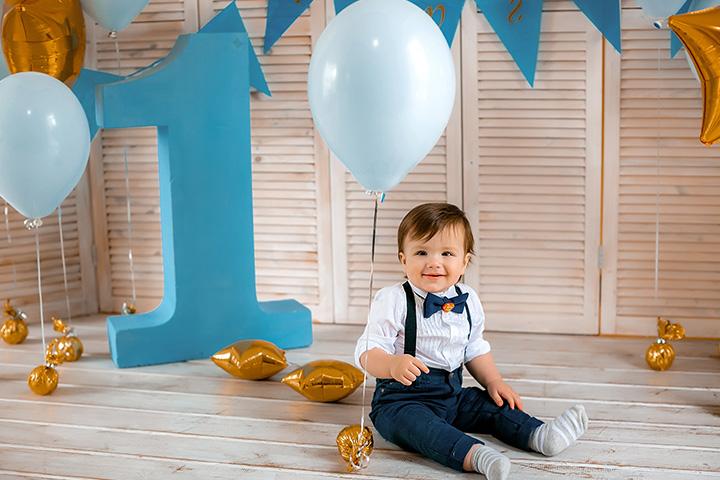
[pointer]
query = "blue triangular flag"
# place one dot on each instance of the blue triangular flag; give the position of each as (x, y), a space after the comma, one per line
(280, 15)
(517, 23)
(84, 90)
(228, 21)
(675, 42)
(605, 15)
(446, 14)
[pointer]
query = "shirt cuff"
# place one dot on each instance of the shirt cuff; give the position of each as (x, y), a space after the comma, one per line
(476, 348)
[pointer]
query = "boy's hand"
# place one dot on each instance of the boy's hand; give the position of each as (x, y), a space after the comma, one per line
(406, 368)
(498, 389)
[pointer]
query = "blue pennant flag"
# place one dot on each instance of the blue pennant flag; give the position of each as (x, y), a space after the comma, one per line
(229, 21)
(84, 90)
(280, 15)
(675, 42)
(517, 23)
(605, 15)
(445, 13)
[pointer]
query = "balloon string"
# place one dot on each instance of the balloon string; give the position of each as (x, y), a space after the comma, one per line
(64, 266)
(377, 197)
(113, 35)
(36, 227)
(129, 222)
(657, 187)
(9, 240)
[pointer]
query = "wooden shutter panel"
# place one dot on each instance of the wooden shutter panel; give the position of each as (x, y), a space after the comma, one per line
(532, 163)
(657, 165)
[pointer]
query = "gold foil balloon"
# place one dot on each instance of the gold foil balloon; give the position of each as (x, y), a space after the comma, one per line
(354, 448)
(700, 33)
(660, 355)
(251, 359)
(46, 36)
(55, 352)
(325, 380)
(43, 380)
(670, 331)
(14, 329)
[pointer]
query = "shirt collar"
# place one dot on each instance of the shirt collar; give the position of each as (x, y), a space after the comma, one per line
(449, 293)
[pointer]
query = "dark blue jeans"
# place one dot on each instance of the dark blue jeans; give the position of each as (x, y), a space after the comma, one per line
(431, 415)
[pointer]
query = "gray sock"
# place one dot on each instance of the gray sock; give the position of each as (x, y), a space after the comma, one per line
(491, 463)
(558, 434)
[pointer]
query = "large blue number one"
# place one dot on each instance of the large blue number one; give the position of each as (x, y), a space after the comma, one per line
(198, 99)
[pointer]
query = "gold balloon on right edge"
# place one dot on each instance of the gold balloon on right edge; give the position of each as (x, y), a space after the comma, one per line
(700, 34)
(45, 36)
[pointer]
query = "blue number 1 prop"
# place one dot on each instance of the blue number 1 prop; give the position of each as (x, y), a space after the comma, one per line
(198, 99)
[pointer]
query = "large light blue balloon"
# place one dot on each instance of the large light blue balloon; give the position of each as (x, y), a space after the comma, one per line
(44, 142)
(114, 15)
(381, 86)
(4, 71)
(659, 10)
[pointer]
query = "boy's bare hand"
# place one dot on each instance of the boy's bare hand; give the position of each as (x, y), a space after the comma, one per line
(499, 390)
(406, 368)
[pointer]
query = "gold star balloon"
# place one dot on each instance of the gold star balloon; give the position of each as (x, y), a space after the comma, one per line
(699, 31)
(355, 448)
(324, 380)
(251, 359)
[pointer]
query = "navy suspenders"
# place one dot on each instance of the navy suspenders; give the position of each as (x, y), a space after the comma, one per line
(411, 319)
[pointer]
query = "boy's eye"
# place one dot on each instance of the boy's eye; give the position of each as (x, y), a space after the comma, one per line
(421, 252)
(448, 254)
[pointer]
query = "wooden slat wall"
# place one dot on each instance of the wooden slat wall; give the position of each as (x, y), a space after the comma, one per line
(532, 174)
(150, 37)
(655, 164)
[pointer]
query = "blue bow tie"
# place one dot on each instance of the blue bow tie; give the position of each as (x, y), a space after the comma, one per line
(434, 304)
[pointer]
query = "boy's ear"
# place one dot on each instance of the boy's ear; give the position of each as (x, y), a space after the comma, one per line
(468, 256)
(402, 258)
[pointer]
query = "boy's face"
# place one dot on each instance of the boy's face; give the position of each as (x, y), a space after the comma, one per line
(436, 264)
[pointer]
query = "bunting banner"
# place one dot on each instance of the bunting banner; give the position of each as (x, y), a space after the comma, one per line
(445, 13)
(517, 23)
(229, 21)
(281, 14)
(605, 15)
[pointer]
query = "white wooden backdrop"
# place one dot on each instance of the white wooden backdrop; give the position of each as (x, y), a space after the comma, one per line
(563, 183)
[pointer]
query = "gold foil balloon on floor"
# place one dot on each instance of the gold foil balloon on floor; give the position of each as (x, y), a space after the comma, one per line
(69, 344)
(43, 380)
(45, 36)
(700, 33)
(660, 355)
(325, 380)
(354, 448)
(14, 329)
(251, 359)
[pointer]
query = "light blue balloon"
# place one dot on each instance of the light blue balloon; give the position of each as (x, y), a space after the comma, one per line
(4, 71)
(659, 10)
(381, 86)
(703, 4)
(44, 142)
(113, 15)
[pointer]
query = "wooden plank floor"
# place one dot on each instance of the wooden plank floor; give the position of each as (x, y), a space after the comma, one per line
(191, 420)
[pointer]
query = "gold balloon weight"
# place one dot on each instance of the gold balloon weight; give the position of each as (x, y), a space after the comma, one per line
(660, 355)
(251, 359)
(128, 308)
(43, 380)
(14, 329)
(45, 36)
(355, 448)
(69, 345)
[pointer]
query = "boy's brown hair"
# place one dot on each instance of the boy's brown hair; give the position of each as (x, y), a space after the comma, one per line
(424, 221)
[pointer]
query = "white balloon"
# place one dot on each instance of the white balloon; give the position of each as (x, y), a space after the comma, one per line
(659, 10)
(381, 86)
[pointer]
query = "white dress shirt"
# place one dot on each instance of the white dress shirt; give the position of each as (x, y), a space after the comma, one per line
(442, 339)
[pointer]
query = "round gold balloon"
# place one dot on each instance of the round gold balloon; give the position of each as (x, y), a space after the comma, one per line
(73, 348)
(354, 448)
(251, 359)
(46, 36)
(325, 380)
(13, 331)
(55, 352)
(128, 309)
(43, 380)
(660, 355)
(700, 34)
